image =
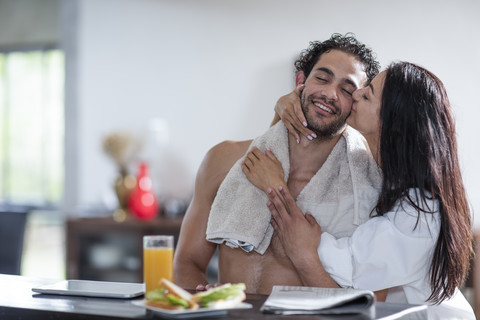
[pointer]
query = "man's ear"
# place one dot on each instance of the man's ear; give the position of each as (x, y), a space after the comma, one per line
(300, 78)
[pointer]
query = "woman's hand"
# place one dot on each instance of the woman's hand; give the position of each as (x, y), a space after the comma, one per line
(300, 237)
(299, 234)
(289, 109)
(263, 170)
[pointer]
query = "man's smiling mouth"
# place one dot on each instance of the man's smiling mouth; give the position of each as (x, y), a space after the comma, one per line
(321, 106)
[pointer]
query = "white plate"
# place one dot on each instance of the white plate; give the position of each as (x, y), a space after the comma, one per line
(191, 313)
(104, 289)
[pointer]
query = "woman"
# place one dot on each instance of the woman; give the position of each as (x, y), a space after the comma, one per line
(418, 242)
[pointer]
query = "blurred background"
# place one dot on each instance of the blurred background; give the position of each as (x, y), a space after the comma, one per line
(166, 80)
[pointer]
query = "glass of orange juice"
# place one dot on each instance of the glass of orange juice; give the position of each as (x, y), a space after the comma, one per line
(157, 260)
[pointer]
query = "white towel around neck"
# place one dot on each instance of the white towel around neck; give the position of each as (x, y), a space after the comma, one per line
(239, 216)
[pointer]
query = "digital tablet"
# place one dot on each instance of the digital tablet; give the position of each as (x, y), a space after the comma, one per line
(104, 289)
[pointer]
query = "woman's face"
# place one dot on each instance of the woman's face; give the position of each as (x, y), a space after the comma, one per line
(365, 115)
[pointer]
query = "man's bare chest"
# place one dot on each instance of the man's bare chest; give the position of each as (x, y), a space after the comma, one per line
(258, 272)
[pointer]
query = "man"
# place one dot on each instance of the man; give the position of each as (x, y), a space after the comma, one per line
(330, 71)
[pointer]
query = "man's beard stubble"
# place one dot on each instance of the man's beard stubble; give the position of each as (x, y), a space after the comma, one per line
(323, 132)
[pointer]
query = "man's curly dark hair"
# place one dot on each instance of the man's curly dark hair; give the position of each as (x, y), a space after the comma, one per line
(346, 43)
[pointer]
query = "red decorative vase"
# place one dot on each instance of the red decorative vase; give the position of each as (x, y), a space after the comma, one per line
(142, 201)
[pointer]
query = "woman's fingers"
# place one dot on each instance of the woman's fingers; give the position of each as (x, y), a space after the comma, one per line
(298, 116)
(307, 133)
(246, 170)
(204, 287)
(261, 170)
(277, 202)
(298, 89)
(290, 202)
(248, 163)
(275, 226)
(285, 108)
(293, 124)
(277, 221)
(289, 108)
(271, 155)
(310, 218)
(313, 222)
(251, 157)
(298, 106)
(291, 121)
(291, 129)
(256, 154)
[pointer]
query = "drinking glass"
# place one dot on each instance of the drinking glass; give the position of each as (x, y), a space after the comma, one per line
(157, 260)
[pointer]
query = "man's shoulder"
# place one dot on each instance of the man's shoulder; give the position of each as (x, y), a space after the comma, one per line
(228, 151)
(219, 160)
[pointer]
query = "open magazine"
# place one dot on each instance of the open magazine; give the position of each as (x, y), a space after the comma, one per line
(312, 300)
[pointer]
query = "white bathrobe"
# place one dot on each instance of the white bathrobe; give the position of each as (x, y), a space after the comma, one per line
(390, 252)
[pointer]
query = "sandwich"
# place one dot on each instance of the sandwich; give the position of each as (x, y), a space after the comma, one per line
(172, 297)
(224, 296)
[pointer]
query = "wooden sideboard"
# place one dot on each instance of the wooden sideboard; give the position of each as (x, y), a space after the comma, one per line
(105, 250)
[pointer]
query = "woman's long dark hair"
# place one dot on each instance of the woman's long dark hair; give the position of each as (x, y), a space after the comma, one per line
(418, 149)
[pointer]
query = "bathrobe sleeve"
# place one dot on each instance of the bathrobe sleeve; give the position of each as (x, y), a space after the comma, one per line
(384, 252)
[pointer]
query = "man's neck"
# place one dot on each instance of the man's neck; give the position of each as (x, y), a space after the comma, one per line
(310, 154)
(306, 158)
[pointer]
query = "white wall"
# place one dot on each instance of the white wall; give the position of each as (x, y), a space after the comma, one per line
(214, 68)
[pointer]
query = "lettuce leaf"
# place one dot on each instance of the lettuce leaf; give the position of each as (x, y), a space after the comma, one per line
(176, 301)
(157, 295)
(224, 292)
(162, 295)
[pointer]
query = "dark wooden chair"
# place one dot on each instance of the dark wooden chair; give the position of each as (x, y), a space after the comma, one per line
(12, 233)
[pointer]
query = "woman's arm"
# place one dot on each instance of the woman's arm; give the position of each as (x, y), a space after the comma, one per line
(384, 252)
(299, 234)
(289, 110)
